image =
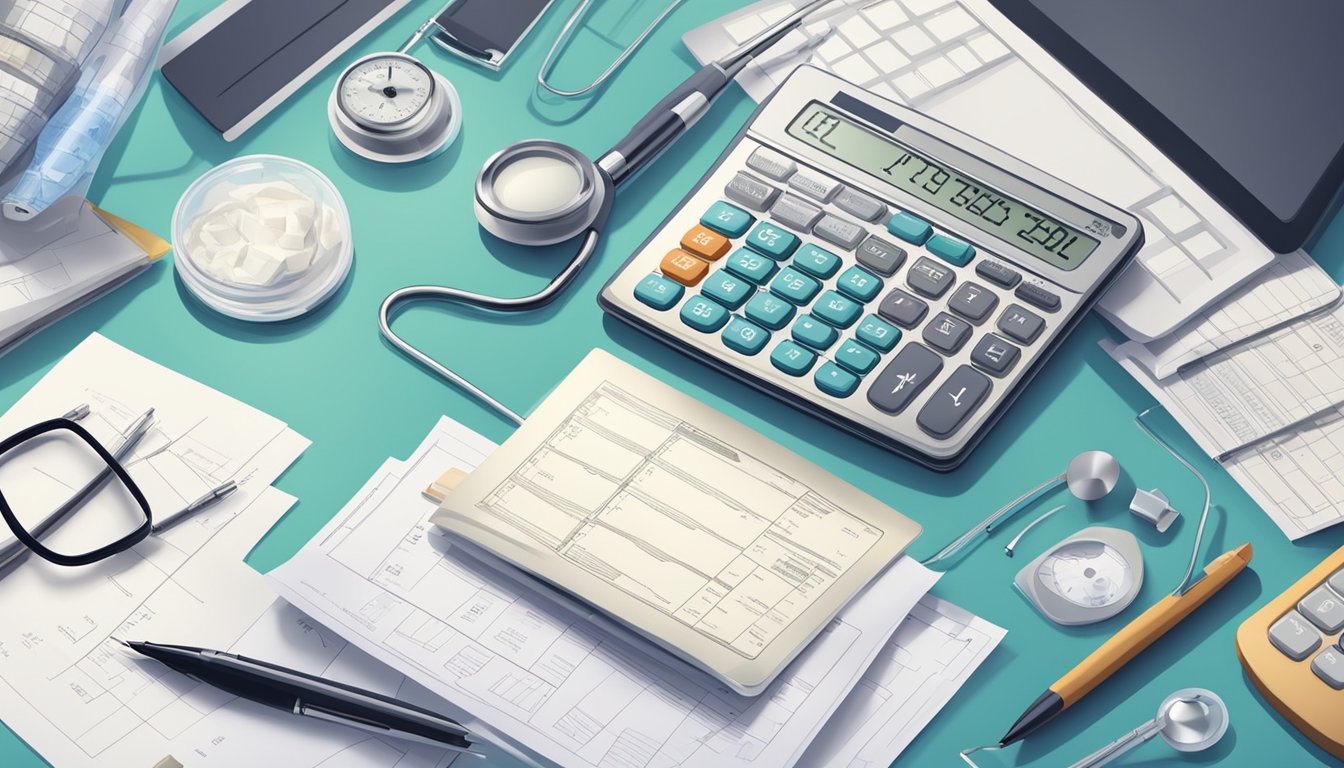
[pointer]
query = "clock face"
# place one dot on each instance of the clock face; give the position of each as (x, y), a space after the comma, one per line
(385, 91)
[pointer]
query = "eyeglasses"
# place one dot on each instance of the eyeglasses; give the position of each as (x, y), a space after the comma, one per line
(68, 498)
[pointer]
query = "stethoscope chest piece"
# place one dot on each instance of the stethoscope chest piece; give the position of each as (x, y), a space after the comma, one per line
(539, 192)
(390, 108)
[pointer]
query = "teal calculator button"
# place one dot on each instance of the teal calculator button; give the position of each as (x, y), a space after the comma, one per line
(814, 333)
(750, 265)
(817, 262)
(837, 310)
(659, 292)
(770, 311)
(792, 358)
(878, 333)
(728, 289)
(859, 284)
(856, 357)
(835, 381)
(745, 337)
(772, 241)
(703, 315)
(909, 228)
(956, 252)
(727, 219)
(795, 286)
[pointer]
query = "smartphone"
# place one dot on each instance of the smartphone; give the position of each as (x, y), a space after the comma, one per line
(486, 31)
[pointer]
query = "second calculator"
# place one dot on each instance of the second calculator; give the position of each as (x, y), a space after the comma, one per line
(875, 268)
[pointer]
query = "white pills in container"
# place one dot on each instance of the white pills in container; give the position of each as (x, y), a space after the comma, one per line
(262, 238)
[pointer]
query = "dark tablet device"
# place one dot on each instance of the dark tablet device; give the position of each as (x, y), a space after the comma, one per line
(487, 31)
(1236, 92)
(243, 59)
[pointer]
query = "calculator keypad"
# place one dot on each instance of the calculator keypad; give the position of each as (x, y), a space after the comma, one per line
(1315, 623)
(863, 306)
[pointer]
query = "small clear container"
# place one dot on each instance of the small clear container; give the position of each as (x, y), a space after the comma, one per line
(293, 294)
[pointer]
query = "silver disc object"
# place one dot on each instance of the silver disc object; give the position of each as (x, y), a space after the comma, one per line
(390, 108)
(1088, 577)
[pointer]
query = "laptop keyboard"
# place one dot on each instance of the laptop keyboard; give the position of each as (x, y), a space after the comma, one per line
(914, 50)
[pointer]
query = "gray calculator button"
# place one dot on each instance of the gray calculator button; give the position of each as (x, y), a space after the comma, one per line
(902, 308)
(1020, 325)
(816, 187)
(973, 302)
(771, 164)
(908, 373)
(860, 205)
(1329, 666)
(834, 229)
(1038, 296)
(881, 256)
(954, 402)
(946, 333)
(795, 213)
(1294, 636)
(1325, 609)
(998, 274)
(1337, 581)
(994, 355)
(930, 277)
(751, 192)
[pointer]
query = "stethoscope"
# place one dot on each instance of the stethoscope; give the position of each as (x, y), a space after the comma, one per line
(539, 192)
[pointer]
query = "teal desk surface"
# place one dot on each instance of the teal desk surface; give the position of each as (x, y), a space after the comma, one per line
(334, 380)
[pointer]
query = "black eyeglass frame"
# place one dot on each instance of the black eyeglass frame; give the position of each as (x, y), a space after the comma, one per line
(102, 553)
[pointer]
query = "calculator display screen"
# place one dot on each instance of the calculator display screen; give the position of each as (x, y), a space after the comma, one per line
(942, 187)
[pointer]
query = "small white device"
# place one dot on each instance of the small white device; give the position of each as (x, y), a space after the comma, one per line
(1088, 577)
(391, 108)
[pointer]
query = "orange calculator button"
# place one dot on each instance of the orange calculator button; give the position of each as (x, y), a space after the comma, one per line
(705, 243)
(683, 267)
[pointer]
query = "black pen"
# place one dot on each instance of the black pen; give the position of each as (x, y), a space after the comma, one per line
(309, 696)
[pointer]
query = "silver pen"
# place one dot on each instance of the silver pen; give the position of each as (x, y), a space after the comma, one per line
(208, 500)
(15, 551)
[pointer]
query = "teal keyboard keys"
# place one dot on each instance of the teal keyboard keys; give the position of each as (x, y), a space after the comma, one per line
(770, 311)
(817, 262)
(837, 310)
(727, 219)
(878, 333)
(793, 359)
(728, 289)
(745, 337)
(772, 241)
(703, 315)
(955, 252)
(749, 265)
(795, 286)
(659, 292)
(859, 284)
(909, 228)
(835, 381)
(814, 333)
(856, 357)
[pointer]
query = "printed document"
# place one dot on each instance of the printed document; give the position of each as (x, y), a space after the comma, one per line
(558, 680)
(702, 535)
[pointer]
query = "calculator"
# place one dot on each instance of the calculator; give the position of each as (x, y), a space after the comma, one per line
(875, 268)
(1292, 651)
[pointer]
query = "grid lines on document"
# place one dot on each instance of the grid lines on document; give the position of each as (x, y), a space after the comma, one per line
(1271, 383)
(933, 648)
(1297, 478)
(916, 51)
(460, 623)
(672, 516)
(101, 697)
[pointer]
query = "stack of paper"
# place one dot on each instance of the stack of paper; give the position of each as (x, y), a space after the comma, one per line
(540, 675)
(1269, 407)
(69, 691)
(48, 270)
